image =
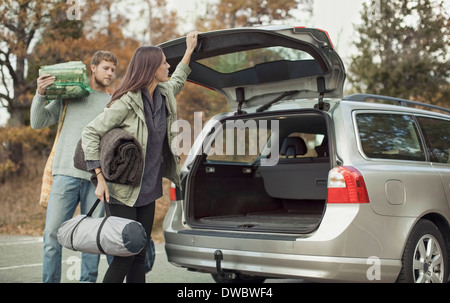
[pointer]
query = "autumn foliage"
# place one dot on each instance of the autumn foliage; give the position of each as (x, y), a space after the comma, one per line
(34, 33)
(56, 39)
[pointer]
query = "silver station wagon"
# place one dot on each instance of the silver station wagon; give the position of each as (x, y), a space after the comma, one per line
(298, 181)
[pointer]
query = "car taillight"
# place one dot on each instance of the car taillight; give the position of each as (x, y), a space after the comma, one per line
(346, 185)
(173, 192)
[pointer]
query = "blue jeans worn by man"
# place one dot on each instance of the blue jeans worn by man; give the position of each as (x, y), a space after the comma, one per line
(64, 197)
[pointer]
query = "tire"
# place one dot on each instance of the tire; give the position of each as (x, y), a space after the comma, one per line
(239, 279)
(425, 258)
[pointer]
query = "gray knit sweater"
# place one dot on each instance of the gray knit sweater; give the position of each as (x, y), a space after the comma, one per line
(78, 114)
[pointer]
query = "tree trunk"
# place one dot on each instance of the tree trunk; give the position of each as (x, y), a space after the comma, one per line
(17, 113)
(15, 149)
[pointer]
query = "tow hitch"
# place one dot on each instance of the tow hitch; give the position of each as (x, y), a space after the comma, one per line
(218, 256)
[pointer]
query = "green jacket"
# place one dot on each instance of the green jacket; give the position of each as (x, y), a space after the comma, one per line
(128, 114)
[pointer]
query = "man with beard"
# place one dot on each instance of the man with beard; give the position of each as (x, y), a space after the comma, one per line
(70, 185)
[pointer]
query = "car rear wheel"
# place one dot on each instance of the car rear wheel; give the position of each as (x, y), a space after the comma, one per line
(425, 257)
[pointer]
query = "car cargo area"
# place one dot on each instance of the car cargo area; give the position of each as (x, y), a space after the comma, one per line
(239, 193)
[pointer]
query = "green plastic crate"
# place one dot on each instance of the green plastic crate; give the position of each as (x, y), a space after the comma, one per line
(71, 80)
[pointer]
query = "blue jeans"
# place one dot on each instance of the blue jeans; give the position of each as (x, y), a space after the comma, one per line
(65, 195)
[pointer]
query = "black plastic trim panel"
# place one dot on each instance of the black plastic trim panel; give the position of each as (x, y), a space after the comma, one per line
(209, 233)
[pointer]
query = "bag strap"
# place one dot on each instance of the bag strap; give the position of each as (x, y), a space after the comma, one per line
(61, 121)
(99, 246)
(89, 214)
(91, 211)
(47, 177)
(73, 231)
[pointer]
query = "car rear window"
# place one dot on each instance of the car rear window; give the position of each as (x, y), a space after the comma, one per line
(239, 141)
(290, 138)
(437, 136)
(237, 61)
(389, 136)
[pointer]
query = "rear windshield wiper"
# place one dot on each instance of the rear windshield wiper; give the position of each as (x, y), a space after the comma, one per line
(277, 99)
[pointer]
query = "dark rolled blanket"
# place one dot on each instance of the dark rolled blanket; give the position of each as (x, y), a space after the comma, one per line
(121, 157)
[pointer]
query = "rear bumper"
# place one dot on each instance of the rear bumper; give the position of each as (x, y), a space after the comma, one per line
(312, 268)
(351, 244)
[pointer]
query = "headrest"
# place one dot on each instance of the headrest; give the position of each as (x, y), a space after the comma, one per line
(293, 146)
(322, 149)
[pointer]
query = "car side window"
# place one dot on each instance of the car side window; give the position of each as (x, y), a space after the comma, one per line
(437, 136)
(389, 136)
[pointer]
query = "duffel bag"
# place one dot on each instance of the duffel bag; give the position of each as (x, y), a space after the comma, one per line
(109, 235)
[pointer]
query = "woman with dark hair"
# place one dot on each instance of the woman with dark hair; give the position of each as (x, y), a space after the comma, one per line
(144, 105)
